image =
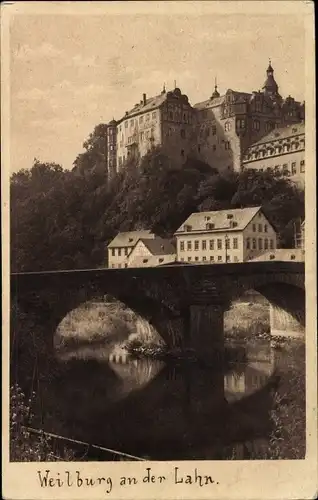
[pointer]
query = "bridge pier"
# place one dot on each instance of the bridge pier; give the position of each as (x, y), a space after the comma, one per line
(284, 324)
(206, 328)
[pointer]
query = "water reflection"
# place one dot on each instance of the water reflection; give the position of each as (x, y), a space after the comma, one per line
(163, 412)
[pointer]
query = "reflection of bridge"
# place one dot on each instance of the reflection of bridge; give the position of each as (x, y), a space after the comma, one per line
(185, 304)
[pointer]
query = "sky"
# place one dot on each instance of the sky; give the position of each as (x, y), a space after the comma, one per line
(72, 72)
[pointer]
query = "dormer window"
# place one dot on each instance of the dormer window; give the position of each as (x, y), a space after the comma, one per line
(145, 261)
(210, 226)
(207, 217)
(131, 240)
(233, 223)
(272, 256)
(292, 257)
(229, 216)
(187, 227)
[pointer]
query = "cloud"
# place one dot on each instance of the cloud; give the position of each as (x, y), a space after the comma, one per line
(46, 50)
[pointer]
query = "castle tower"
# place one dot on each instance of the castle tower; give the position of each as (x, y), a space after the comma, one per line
(270, 87)
(215, 93)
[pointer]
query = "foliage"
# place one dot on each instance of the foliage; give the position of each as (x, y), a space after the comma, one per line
(25, 447)
(64, 219)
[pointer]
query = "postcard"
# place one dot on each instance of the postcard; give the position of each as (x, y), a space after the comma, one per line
(159, 250)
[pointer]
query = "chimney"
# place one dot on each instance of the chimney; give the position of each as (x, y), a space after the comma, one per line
(144, 99)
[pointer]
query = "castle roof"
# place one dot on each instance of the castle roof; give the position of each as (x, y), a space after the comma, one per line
(221, 219)
(281, 133)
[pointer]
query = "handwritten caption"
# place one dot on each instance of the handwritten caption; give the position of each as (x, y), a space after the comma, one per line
(76, 479)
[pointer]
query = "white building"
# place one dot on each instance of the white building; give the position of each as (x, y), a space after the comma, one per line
(235, 235)
(120, 247)
(152, 253)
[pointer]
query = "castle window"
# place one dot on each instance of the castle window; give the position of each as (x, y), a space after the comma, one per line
(196, 245)
(265, 228)
(189, 245)
(227, 243)
(119, 252)
(113, 252)
(260, 244)
(235, 243)
(203, 244)
(248, 243)
(189, 259)
(294, 168)
(126, 251)
(227, 126)
(266, 244)
(254, 228)
(196, 258)
(256, 124)
(292, 257)
(212, 258)
(219, 243)
(271, 244)
(241, 123)
(272, 256)
(210, 226)
(219, 258)
(285, 168)
(302, 166)
(227, 144)
(181, 246)
(211, 244)
(260, 228)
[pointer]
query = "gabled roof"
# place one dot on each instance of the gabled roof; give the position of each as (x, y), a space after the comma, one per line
(159, 246)
(199, 220)
(130, 238)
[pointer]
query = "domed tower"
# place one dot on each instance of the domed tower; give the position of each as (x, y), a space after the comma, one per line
(270, 87)
(215, 93)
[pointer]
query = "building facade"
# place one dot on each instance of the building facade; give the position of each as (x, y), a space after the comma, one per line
(165, 120)
(225, 236)
(218, 131)
(282, 150)
(121, 246)
(152, 253)
(227, 125)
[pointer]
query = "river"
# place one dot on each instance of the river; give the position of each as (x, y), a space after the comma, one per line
(160, 411)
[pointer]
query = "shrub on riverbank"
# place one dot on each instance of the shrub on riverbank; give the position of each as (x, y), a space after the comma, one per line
(24, 446)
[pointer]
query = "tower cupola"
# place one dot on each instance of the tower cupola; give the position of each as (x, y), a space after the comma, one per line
(215, 93)
(270, 86)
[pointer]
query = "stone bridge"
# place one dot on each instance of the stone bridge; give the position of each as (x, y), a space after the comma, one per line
(185, 303)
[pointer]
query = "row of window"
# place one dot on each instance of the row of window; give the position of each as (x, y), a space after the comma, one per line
(211, 258)
(270, 150)
(218, 243)
(119, 266)
(260, 228)
(285, 169)
(121, 251)
(142, 118)
(259, 244)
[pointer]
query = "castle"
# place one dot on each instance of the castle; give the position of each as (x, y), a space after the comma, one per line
(218, 131)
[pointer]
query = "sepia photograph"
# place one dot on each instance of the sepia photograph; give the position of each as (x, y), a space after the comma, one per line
(159, 242)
